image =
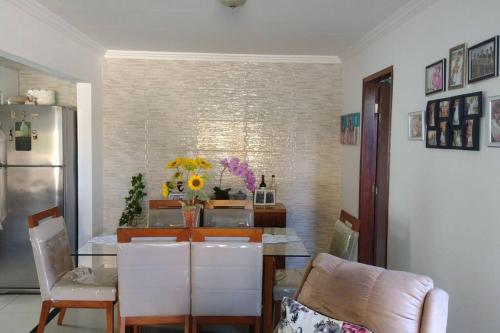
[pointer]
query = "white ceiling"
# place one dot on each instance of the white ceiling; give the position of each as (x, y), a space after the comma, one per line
(294, 27)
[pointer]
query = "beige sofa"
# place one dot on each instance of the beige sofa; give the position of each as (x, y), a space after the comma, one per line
(383, 301)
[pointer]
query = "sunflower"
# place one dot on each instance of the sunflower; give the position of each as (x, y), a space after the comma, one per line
(164, 190)
(196, 183)
(189, 164)
(202, 163)
(174, 164)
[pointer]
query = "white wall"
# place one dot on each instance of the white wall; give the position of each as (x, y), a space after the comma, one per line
(443, 215)
(32, 36)
(9, 82)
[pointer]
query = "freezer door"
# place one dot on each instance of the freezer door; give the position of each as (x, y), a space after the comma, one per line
(29, 190)
(34, 134)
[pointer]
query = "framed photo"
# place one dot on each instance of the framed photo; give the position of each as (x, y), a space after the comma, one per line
(435, 77)
(431, 114)
(270, 198)
(457, 138)
(416, 126)
(457, 107)
(456, 78)
(444, 108)
(349, 129)
(483, 60)
(431, 141)
(471, 133)
(494, 121)
(473, 104)
(443, 134)
(259, 198)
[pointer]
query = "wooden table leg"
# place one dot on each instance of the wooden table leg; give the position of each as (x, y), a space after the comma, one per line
(267, 315)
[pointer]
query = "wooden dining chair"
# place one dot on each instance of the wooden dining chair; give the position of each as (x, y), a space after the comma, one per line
(226, 273)
(153, 277)
(55, 271)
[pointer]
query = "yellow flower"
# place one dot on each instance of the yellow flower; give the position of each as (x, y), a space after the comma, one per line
(189, 164)
(202, 163)
(196, 183)
(174, 164)
(164, 190)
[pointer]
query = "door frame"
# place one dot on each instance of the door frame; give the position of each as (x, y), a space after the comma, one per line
(368, 236)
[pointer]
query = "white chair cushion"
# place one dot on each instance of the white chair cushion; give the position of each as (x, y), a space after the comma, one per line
(286, 283)
(100, 286)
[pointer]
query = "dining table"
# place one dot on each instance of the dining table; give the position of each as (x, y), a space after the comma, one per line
(278, 243)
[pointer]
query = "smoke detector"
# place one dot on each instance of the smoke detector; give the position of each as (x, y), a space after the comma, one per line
(233, 3)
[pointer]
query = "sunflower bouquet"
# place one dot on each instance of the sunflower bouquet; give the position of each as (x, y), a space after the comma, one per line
(190, 171)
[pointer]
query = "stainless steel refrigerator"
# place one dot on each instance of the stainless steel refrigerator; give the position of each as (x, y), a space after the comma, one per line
(38, 170)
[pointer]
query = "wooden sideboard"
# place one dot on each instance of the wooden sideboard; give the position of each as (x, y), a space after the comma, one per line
(270, 216)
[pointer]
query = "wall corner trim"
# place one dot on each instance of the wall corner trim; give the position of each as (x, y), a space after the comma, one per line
(392, 22)
(44, 15)
(193, 56)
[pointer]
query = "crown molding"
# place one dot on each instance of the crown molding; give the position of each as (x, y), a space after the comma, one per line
(44, 15)
(392, 22)
(192, 56)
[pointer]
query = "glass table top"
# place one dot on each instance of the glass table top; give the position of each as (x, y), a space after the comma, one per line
(105, 244)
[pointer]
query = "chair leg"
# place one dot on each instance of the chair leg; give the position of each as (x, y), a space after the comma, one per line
(43, 316)
(256, 326)
(110, 310)
(121, 324)
(276, 313)
(137, 329)
(62, 312)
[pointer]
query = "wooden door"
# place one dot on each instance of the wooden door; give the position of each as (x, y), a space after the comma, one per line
(374, 169)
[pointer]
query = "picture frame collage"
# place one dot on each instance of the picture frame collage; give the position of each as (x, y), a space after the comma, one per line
(453, 122)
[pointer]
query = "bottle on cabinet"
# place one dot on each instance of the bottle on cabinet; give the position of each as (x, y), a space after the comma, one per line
(273, 185)
(262, 183)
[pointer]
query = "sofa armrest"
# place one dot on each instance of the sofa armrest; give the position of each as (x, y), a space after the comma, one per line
(435, 314)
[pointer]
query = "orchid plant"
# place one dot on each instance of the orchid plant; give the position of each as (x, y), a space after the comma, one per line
(236, 168)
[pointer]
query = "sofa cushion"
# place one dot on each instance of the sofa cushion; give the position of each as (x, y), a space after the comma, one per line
(382, 300)
(296, 317)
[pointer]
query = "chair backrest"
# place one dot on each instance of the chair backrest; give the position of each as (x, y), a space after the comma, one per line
(344, 243)
(153, 272)
(379, 299)
(49, 240)
(168, 213)
(228, 218)
(226, 272)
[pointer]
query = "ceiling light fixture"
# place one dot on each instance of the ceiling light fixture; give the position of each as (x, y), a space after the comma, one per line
(233, 3)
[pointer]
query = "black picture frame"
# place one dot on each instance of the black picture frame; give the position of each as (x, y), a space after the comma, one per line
(428, 90)
(477, 95)
(431, 119)
(478, 72)
(475, 133)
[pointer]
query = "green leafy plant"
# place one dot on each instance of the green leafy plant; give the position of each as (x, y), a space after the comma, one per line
(133, 201)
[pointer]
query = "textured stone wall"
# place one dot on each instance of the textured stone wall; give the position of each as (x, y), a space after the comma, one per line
(282, 118)
(30, 78)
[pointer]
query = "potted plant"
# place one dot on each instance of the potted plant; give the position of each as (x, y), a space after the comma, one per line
(133, 201)
(236, 168)
(192, 172)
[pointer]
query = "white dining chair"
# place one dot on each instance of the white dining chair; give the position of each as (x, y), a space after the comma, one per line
(60, 285)
(153, 277)
(226, 273)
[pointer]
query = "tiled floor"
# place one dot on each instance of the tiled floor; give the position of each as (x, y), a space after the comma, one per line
(20, 313)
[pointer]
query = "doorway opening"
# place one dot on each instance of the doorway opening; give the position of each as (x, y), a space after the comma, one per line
(374, 167)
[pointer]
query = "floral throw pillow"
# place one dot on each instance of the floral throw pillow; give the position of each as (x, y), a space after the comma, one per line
(297, 318)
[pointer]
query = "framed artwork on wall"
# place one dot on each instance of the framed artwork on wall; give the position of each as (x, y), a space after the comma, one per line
(416, 126)
(435, 77)
(483, 60)
(473, 104)
(494, 121)
(457, 64)
(349, 129)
